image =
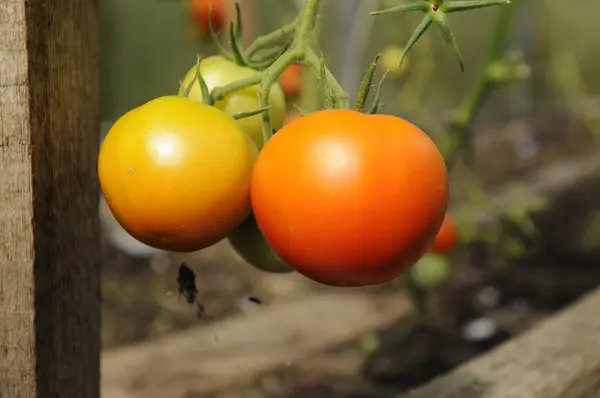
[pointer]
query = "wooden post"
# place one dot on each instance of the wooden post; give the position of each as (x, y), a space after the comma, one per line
(49, 254)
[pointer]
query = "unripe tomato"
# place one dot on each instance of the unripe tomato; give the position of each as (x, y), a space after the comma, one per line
(218, 72)
(431, 271)
(248, 242)
(390, 59)
(199, 11)
(291, 80)
(349, 199)
(447, 237)
(176, 173)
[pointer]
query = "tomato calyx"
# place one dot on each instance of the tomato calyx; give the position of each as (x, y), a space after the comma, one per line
(236, 52)
(365, 88)
(208, 99)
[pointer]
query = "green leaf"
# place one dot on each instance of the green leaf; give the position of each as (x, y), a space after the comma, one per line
(365, 86)
(416, 6)
(416, 35)
(454, 6)
(441, 20)
(243, 115)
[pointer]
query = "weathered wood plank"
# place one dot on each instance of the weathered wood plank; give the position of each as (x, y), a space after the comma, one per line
(559, 358)
(234, 351)
(49, 256)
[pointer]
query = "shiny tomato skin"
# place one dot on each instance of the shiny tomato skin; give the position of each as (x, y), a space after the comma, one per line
(447, 237)
(176, 173)
(291, 80)
(349, 199)
(218, 71)
(248, 242)
(199, 11)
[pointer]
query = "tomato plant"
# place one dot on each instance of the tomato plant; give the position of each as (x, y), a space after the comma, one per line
(248, 242)
(176, 173)
(447, 237)
(349, 199)
(218, 71)
(199, 11)
(291, 80)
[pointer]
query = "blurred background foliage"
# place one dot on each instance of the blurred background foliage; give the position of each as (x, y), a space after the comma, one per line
(147, 45)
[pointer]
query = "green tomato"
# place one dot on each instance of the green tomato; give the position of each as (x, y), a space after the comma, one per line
(248, 242)
(431, 270)
(218, 72)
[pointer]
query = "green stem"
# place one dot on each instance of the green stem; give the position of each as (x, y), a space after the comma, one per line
(219, 93)
(340, 97)
(479, 92)
(268, 40)
(307, 22)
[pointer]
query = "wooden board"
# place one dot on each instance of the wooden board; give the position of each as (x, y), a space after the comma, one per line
(558, 358)
(234, 351)
(49, 255)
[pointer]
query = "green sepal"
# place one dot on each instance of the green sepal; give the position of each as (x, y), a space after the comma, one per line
(243, 115)
(365, 86)
(441, 20)
(416, 6)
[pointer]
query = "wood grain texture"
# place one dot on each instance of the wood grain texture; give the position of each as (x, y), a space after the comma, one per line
(558, 358)
(49, 256)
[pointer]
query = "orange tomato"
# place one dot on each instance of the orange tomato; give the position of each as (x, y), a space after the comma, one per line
(349, 199)
(176, 173)
(291, 80)
(446, 238)
(199, 11)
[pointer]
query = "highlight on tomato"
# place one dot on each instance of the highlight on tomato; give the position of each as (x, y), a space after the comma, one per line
(176, 173)
(199, 11)
(248, 242)
(349, 199)
(447, 237)
(390, 60)
(291, 80)
(217, 72)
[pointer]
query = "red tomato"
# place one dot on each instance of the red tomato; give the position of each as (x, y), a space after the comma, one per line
(349, 199)
(291, 80)
(446, 238)
(199, 10)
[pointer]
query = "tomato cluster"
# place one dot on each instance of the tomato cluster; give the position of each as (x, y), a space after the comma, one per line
(342, 197)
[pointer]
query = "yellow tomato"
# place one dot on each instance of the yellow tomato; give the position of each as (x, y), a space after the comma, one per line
(176, 173)
(390, 59)
(218, 72)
